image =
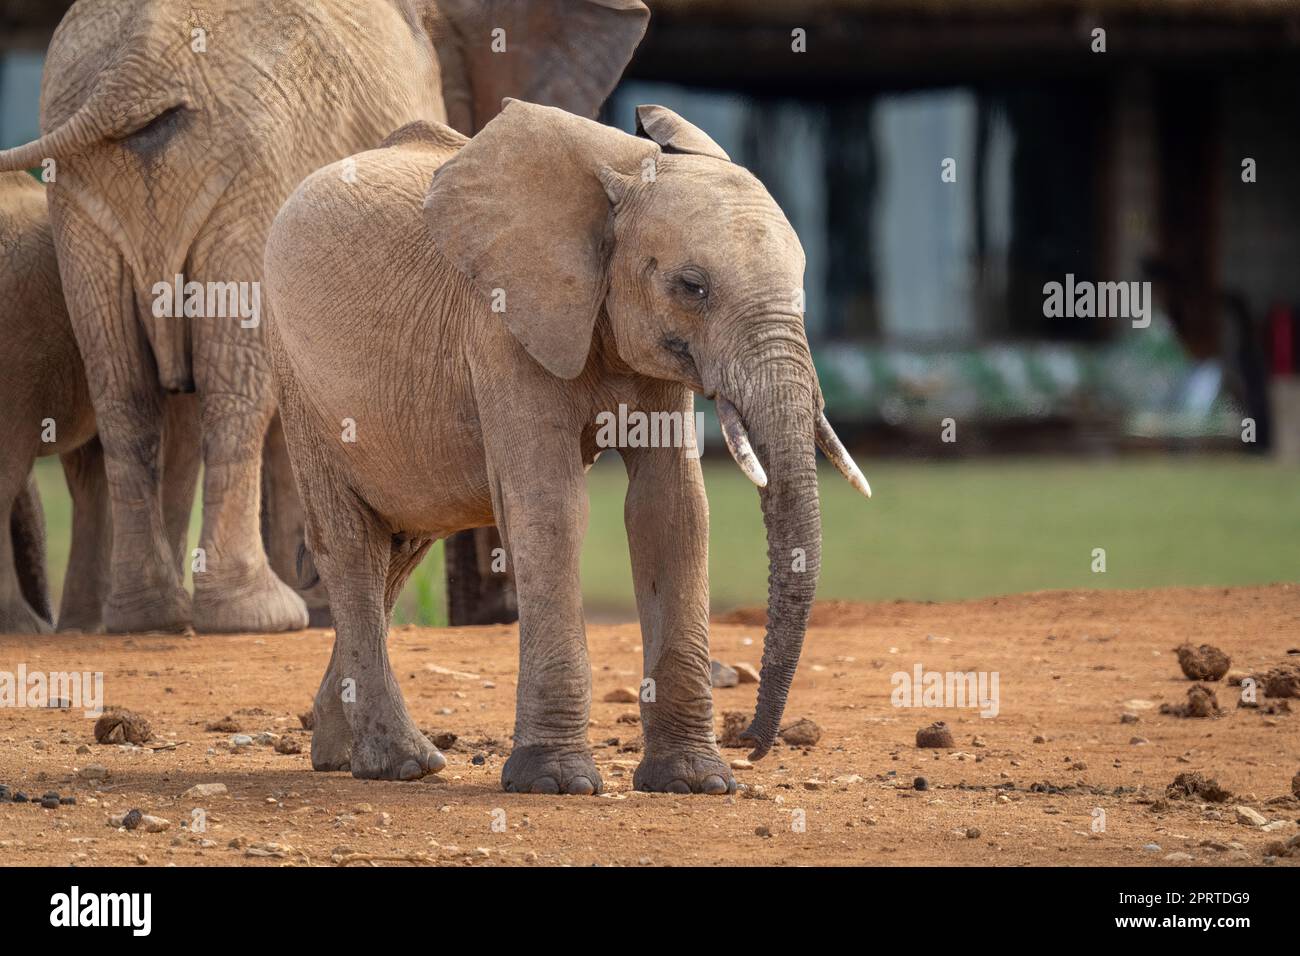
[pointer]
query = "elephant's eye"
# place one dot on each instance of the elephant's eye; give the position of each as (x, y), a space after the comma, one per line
(692, 285)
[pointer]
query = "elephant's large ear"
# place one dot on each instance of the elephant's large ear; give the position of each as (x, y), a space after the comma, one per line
(674, 134)
(524, 213)
(565, 53)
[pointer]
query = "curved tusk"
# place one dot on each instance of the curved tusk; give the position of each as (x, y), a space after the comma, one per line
(733, 433)
(835, 452)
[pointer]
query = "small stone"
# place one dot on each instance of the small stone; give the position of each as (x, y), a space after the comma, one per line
(93, 772)
(801, 733)
(1138, 741)
(763, 832)
(1128, 718)
(479, 759)
(152, 824)
(1152, 847)
(226, 725)
(83, 749)
(202, 791)
(621, 695)
(813, 784)
(21, 797)
(920, 783)
(131, 819)
(720, 675)
(1040, 739)
(740, 763)
(241, 740)
(935, 736)
(1202, 663)
(1250, 816)
(122, 726)
(50, 802)
(745, 673)
(972, 833)
(1178, 857)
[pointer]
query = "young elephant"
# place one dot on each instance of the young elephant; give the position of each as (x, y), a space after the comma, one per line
(448, 321)
(47, 411)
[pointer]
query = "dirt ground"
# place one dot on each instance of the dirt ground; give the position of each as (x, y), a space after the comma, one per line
(1056, 778)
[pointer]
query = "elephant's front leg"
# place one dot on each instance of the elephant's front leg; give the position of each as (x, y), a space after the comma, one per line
(667, 517)
(541, 507)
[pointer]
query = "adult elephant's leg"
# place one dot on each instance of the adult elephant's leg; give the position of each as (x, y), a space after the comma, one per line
(540, 502)
(145, 590)
(236, 591)
(283, 526)
(85, 585)
(667, 518)
(17, 615)
(475, 593)
(182, 454)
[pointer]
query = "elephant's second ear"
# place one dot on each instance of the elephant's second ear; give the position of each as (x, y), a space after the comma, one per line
(522, 212)
(674, 134)
(564, 53)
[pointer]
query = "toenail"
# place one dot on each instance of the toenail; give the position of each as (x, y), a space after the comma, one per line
(436, 761)
(679, 786)
(714, 784)
(411, 770)
(581, 787)
(545, 785)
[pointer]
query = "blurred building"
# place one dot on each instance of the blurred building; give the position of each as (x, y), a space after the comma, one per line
(1121, 162)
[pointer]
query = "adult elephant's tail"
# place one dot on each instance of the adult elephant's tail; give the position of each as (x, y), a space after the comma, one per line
(109, 112)
(27, 532)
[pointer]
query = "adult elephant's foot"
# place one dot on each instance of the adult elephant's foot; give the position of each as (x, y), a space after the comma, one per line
(167, 608)
(81, 621)
(694, 771)
(550, 769)
(246, 602)
(392, 749)
(17, 617)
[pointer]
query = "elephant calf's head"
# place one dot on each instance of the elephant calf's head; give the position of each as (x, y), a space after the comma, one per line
(555, 217)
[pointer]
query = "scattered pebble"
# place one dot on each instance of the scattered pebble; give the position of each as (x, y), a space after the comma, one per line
(1250, 816)
(621, 695)
(920, 783)
(720, 675)
(204, 790)
(745, 673)
(226, 725)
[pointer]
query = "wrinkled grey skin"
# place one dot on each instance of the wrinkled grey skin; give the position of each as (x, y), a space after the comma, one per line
(44, 394)
(179, 128)
(616, 290)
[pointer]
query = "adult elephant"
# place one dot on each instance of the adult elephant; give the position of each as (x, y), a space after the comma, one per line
(176, 130)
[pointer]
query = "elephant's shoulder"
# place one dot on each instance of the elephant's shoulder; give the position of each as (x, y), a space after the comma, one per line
(425, 133)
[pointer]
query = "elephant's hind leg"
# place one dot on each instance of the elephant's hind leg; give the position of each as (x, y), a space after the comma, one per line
(86, 583)
(357, 561)
(17, 615)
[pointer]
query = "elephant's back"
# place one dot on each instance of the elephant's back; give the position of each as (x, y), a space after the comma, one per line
(346, 263)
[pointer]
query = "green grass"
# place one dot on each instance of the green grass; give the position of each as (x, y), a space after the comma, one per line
(936, 531)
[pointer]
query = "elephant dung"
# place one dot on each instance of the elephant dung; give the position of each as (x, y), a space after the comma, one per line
(621, 695)
(936, 736)
(122, 726)
(1203, 663)
(734, 724)
(1283, 681)
(801, 733)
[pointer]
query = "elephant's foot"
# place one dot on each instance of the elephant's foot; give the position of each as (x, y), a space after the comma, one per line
(550, 769)
(692, 771)
(17, 617)
(392, 749)
(163, 609)
(249, 603)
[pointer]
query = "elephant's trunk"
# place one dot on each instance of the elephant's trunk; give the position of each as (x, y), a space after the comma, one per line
(779, 416)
